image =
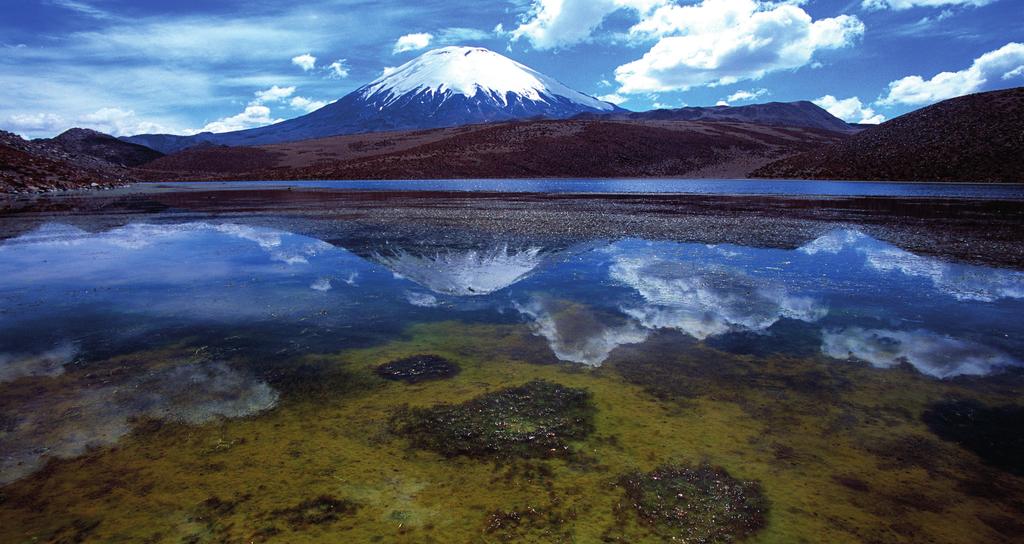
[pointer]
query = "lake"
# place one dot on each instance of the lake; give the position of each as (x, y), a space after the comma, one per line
(219, 364)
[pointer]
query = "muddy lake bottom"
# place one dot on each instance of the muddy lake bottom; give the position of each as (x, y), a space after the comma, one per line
(327, 365)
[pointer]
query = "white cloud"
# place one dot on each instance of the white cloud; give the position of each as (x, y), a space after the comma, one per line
(742, 96)
(255, 115)
(578, 333)
(274, 94)
(986, 72)
(558, 23)
(703, 300)
(388, 70)
(305, 61)
(192, 394)
(721, 42)
(303, 103)
(962, 282)
(113, 121)
(337, 69)
(613, 98)
(850, 110)
(907, 4)
(933, 354)
(48, 363)
(721, 103)
(412, 42)
(463, 34)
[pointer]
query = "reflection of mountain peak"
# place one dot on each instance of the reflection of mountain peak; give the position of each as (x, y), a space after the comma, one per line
(466, 272)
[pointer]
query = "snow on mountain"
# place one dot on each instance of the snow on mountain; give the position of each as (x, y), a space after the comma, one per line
(446, 87)
(473, 72)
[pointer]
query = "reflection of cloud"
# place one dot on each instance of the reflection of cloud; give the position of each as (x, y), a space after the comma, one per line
(930, 353)
(281, 246)
(962, 282)
(423, 300)
(321, 284)
(66, 423)
(49, 363)
(464, 273)
(577, 333)
(703, 300)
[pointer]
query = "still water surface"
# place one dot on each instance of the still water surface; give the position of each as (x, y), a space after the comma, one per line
(983, 191)
(212, 381)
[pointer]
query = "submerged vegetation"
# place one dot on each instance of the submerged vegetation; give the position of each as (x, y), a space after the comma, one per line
(994, 433)
(696, 504)
(537, 419)
(418, 368)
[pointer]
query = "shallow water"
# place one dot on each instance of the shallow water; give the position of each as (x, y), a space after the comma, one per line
(209, 381)
(627, 186)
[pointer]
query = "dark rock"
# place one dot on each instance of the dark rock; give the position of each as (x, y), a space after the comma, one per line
(537, 419)
(418, 368)
(703, 504)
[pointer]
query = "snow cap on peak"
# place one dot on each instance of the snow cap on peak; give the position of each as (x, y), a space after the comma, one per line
(472, 70)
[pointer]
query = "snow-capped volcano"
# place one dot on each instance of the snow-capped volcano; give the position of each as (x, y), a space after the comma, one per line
(478, 74)
(445, 87)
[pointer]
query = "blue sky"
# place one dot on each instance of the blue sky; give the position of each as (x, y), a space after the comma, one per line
(128, 66)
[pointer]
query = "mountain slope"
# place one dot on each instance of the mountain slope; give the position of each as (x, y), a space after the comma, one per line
(976, 137)
(442, 88)
(33, 166)
(790, 114)
(531, 149)
(83, 142)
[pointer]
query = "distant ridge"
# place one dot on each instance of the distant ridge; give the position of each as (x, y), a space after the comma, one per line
(978, 137)
(791, 114)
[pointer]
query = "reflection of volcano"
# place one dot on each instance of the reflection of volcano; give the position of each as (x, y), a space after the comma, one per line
(467, 272)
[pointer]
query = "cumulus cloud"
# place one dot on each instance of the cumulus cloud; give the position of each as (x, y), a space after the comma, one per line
(963, 282)
(993, 69)
(306, 104)
(613, 98)
(254, 115)
(423, 300)
(933, 354)
(578, 333)
(274, 94)
(743, 96)
(557, 23)
(338, 69)
(321, 284)
(305, 61)
(907, 4)
(189, 393)
(47, 363)
(705, 300)
(413, 42)
(850, 110)
(114, 121)
(721, 42)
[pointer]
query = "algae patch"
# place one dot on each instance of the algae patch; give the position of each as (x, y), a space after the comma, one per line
(537, 419)
(703, 504)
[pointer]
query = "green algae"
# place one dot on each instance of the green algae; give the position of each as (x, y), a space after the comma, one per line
(537, 419)
(851, 462)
